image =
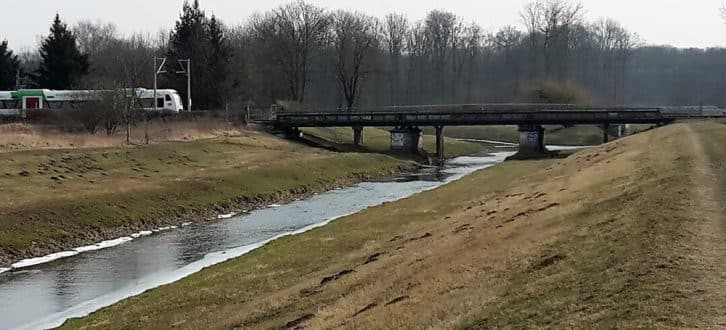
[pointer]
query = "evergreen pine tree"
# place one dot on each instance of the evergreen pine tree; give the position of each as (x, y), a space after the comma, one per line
(62, 64)
(218, 60)
(203, 41)
(188, 41)
(9, 67)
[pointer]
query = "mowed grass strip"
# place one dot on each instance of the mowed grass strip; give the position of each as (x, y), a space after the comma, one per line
(602, 239)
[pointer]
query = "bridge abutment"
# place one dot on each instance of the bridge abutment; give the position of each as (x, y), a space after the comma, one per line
(406, 139)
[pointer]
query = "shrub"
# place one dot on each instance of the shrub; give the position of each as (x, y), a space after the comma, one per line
(556, 92)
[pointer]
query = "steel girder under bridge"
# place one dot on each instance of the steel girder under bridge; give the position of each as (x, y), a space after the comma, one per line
(529, 118)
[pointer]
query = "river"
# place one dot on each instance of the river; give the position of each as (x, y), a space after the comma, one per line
(47, 294)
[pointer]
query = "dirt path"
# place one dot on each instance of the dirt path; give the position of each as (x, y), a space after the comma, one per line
(708, 256)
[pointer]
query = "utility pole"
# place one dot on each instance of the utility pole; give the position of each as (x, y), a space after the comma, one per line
(158, 69)
(187, 70)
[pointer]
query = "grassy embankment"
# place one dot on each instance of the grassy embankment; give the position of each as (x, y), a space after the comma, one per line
(555, 135)
(626, 235)
(63, 197)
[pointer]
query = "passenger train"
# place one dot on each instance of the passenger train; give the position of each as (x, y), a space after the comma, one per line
(15, 103)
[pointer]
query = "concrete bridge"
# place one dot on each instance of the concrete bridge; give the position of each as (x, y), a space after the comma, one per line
(407, 120)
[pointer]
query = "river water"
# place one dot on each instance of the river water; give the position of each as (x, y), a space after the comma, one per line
(45, 295)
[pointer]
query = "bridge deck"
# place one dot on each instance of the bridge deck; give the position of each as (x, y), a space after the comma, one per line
(591, 116)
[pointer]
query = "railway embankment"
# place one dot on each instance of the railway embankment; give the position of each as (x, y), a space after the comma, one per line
(624, 235)
(61, 191)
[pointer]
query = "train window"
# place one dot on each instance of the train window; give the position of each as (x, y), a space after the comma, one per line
(160, 102)
(147, 102)
(168, 98)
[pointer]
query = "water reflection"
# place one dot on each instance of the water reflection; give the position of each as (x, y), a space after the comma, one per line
(48, 294)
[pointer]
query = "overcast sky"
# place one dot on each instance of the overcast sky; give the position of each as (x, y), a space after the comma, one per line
(682, 23)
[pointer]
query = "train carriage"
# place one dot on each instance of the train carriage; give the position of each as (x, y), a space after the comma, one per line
(15, 103)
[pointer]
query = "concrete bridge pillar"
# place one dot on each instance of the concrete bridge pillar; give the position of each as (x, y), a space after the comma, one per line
(531, 140)
(406, 139)
(440, 142)
(606, 133)
(358, 136)
(625, 130)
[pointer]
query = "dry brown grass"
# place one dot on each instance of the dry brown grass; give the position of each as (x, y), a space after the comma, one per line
(607, 238)
(55, 199)
(19, 136)
(556, 92)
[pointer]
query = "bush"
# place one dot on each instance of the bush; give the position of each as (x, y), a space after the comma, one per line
(554, 92)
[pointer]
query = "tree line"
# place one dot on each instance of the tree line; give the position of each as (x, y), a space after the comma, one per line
(335, 59)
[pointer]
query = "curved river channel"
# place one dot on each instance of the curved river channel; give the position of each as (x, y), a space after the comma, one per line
(47, 294)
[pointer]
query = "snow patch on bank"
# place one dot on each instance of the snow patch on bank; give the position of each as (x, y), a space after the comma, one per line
(83, 249)
(41, 260)
(103, 245)
(142, 234)
(226, 216)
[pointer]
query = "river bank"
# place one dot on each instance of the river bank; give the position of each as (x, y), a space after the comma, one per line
(60, 199)
(622, 235)
(99, 278)
(580, 135)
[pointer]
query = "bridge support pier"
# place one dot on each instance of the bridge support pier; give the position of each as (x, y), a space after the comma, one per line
(623, 130)
(531, 139)
(440, 142)
(358, 136)
(406, 139)
(606, 133)
(531, 142)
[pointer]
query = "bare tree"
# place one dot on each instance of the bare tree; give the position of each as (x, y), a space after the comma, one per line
(558, 18)
(292, 32)
(552, 20)
(134, 60)
(626, 41)
(354, 37)
(417, 53)
(531, 17)
(94, 37)
(395, 28)
(506, 41)
(441, 29)
(615, 44)
(458, 56)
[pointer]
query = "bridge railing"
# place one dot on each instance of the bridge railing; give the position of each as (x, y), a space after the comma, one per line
(487, 107)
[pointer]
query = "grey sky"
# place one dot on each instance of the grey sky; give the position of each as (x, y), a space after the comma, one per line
(682, 23)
